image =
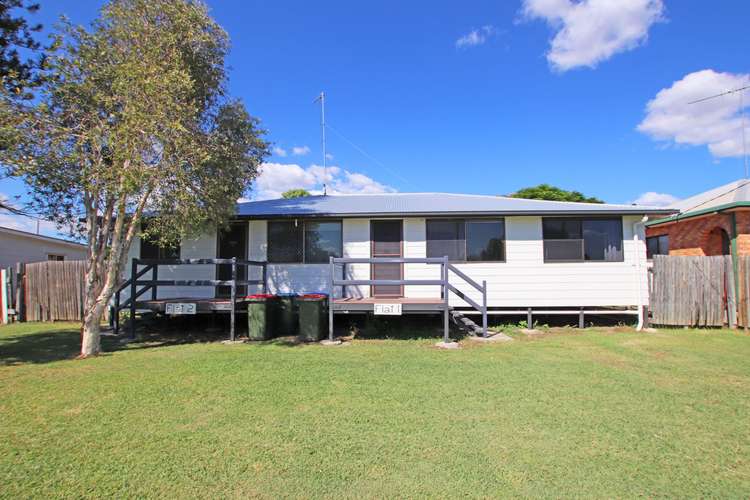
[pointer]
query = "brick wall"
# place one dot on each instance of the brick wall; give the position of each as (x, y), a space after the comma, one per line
(702, 235)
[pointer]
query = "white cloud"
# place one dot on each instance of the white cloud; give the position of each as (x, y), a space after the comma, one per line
(329, 156)
(716, 123)
(279, 151)
(275, 178)
(654, 199)
(476, 37)
(29, 224)
(591, 31)
(300, 150)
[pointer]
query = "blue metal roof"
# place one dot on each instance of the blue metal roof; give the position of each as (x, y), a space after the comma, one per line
(414, 204)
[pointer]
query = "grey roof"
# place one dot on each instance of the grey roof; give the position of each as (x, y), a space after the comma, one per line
(734, 192)
(26, 234)
(395, 204)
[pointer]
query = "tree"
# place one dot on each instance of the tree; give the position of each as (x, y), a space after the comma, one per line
(295, 193)
(16, 33)
(549, 192)
(133, 119)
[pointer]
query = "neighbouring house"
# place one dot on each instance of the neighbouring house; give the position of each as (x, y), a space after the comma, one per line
(21, 246)
(716, 222)
(556, 257)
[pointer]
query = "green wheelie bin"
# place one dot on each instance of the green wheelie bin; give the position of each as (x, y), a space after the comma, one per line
(313, 316)
(285, 322)
(259, 316)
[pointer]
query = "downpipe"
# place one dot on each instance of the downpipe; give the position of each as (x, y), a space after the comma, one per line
(639, 284)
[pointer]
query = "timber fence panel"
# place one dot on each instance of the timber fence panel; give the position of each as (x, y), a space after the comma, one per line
(54, 290)
(692, 291)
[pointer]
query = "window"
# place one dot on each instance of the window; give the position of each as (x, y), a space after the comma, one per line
(311, 242)
(322, 241)
(446, 237)
(284, 242)
(576, 240)
(485, 241)
(466, 240)
(150, 250)
(55, 257)
(657, 245)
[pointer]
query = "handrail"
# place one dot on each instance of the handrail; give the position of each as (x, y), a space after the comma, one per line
(388, 260)
(154, 282)
(443, 282)
(465, 277)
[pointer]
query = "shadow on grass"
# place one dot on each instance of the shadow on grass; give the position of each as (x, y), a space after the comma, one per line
(44, 346)
(45, 343)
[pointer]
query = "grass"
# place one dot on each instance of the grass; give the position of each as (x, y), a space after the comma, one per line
(595, 413)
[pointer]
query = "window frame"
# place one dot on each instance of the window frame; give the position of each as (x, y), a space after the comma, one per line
(55, 257)
(302, 223)
(160, 255)
(340, 223)
(582, 239)
(658, 238)
(465, 222)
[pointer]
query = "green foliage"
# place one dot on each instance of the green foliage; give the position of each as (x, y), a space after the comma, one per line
(133, 117)
(553, 193)
(295, 193)
(599, 414)
(18, 73)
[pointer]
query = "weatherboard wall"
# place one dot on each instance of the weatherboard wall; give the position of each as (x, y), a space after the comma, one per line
(523, 280)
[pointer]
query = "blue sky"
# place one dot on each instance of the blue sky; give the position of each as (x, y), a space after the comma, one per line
(488, 96)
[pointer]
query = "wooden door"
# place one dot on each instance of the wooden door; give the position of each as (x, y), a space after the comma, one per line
(387, 241)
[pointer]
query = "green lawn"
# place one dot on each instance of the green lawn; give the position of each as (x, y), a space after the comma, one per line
(598, 413)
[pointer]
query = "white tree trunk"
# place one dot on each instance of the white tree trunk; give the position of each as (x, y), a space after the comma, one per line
(90, 333)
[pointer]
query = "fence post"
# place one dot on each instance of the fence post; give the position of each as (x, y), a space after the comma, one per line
(20, 291)
(731, 288)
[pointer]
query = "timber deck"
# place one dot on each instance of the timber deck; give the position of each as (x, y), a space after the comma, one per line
(367, 304)
(202, 305)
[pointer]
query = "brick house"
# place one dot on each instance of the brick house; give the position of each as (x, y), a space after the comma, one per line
(716, 222)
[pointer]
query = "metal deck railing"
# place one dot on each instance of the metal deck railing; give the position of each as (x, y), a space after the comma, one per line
(446, 287)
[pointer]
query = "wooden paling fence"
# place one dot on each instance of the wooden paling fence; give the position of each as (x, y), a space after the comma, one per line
(45, 291)
(695, 291)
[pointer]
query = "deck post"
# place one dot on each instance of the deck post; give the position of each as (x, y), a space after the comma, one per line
(581, 320)
(446, 326)
(484, 308)
(330, 299)
(133, 291)
(154, 276)
(264, 286)
(233, 298)
(529, 319)
(116, 315)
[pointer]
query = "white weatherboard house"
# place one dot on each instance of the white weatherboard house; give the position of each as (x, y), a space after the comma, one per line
(545, 255)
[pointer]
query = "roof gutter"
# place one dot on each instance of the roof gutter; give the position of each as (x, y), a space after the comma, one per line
(698, 213)
(401, 215)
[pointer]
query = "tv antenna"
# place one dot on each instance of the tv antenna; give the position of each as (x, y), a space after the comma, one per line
(322, 99)
(740, 91)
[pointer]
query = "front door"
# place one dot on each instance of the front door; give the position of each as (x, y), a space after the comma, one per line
(232, 243)
(387, 238)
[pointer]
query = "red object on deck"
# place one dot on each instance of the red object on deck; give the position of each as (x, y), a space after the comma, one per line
(261, 296)
(314, 296)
